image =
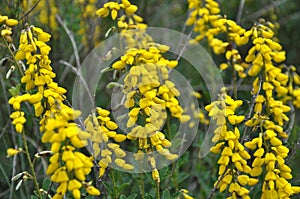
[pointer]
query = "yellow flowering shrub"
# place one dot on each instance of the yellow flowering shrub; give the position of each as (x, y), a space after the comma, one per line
(137, 146)
(267, 115)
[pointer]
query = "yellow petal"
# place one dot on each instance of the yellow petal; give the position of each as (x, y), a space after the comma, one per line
(131, 9)
(120, 138)
(91, 190)
(114, 14)
(119, 65)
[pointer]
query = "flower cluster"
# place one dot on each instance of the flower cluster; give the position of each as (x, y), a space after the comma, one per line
(271, 155)
(68, 166)
(234, 156)
(149, 92)
(102, 129)
(114, 7)
(209, 24)
(268, 113)
(293, 86)
(6, 25)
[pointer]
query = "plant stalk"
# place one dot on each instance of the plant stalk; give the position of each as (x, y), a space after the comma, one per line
(31, 165)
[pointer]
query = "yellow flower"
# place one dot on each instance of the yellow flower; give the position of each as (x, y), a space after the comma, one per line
(234, 119)
(12, 152)
(92, 191)
(120, 138)
(74, 184)
(18, 120)
(185, 194)
(131, 9)
(60, 175)
(155, 175)
(119, 65)
(76, 193)
(3, 18)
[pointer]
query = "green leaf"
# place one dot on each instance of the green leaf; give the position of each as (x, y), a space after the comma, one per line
(46, 184)
(123, 186)
(108, 187)
(133, 196)
(14, 91)
(166, 195)
(148, 196)
(181, 177)
(174, 128)
(33, 197)
(122, 196)
(183, 159)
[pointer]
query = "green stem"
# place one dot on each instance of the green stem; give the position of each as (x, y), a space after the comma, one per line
(31, 165)
(13, 56)
(175, 176)
(142, 186)
(173, 170)
(114, 184)
(157, 190)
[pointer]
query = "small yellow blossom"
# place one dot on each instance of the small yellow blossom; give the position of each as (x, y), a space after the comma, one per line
(12, 152)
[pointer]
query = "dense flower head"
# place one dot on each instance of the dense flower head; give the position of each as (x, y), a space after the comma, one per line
(103, 131)
(114, 7)
(270, 154)
(234, 170)
(210, 25)
(6, 25)
(292, 85)
(150, 96)
(68, 165)
(271, 93)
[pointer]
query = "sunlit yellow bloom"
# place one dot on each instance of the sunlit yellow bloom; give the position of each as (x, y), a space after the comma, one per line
(13, 152)
(92, 191)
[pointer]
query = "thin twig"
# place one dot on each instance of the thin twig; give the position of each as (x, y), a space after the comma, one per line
(4, 129)
(215, 187)
(251, 109)
(13, 174)
(265, 9)
(30, 10)
(71, 37)
(183, 31)
(240, 11)
(75, 70)
(34, 178)
(67, 70)
(185, 45)
(8, 46)
(291, 119)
